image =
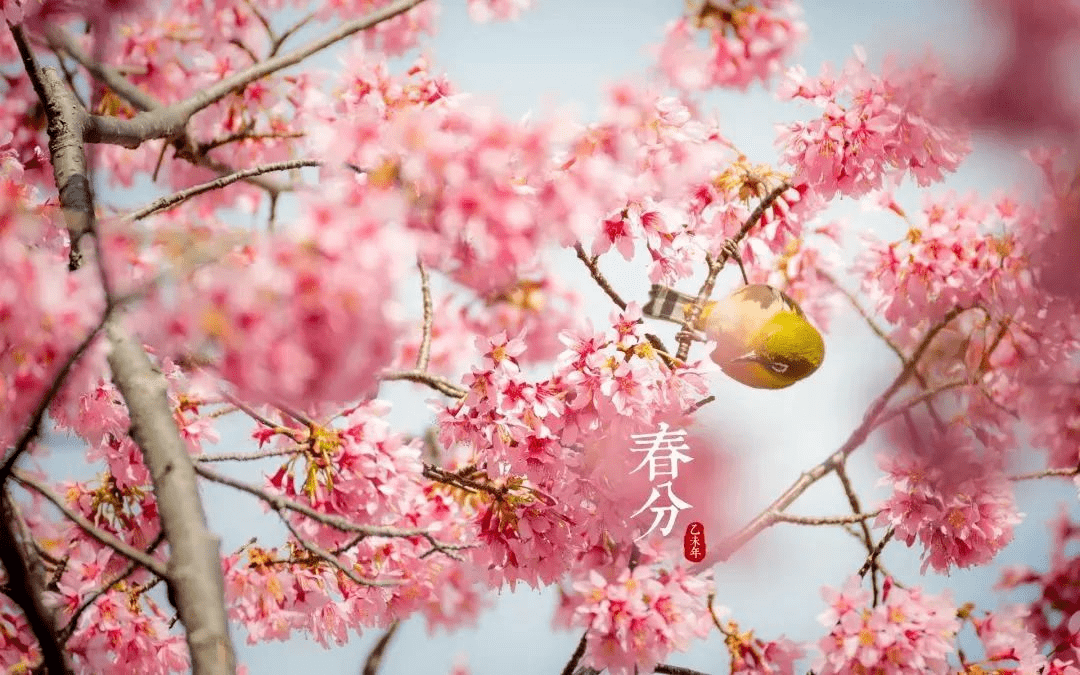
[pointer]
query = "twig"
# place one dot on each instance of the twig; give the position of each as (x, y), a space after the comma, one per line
(676, 670)
(598, 277)
(690, 315)
(576, 656)
(423, 356)
(699, 405)
(867, 537)
(871, 560)
(337, 522)
(1048, 473)
(59, 39)
(824, 520)
(172, 200)
(246, 456)
(101, 536)
(276, 46)
(440, 384)
(329, 557)
(374, 658)
(856, 439)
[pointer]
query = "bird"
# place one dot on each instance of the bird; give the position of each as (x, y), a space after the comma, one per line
(763, 338)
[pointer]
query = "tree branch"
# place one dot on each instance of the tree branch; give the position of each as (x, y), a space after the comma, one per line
(101, 536)
(194, 569)
(26, 589)
(858, 436)
(169, 201)
(440, 384)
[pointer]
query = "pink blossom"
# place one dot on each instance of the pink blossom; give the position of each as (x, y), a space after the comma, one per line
(872, 126)
(907, 632)
(958, 505)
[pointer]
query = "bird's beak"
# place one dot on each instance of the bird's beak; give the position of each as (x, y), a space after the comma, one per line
(749, 356)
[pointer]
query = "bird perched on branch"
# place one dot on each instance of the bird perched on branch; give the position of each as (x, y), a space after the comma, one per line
(762, 337)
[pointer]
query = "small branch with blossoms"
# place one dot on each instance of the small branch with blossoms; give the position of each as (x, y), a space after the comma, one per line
(278, 502)
(328, 556)
(716, 265)
(101, 536)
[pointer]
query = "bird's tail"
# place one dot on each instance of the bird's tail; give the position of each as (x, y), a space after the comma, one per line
(667, 304)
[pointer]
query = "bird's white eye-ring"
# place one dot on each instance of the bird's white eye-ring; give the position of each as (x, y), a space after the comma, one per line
(777, 366)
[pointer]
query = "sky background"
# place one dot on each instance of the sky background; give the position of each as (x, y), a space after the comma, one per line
(562, 55)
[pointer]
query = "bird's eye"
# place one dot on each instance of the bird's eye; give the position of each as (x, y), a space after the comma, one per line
(777, 366)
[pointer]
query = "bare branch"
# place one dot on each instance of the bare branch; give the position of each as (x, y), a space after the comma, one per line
(875, 553)
(1047, 473)
(101, 536)
(598, 277)
(374, 659)
(440, 384)
(60, 40)
(676, 670)
(576, 656)
(824, 520)
(329, 557)
(424, 354)
(169, 201)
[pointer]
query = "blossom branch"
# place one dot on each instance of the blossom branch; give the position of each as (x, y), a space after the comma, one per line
(277, 502)
(1048, 473)
(858, 436)
(33, 427)
(169, 201)
(694, 310)
(73, 623)
(169, 121)
(598, 277)
(321, 553)
(101, 536)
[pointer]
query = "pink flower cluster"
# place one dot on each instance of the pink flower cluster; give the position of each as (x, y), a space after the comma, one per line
(957, 504)
(301, 317)
(568, 436)
(487, 10)
(635, 618)
(908, 632)
(1006, 638)
(872, 127)
(45, 310)
(747, 42)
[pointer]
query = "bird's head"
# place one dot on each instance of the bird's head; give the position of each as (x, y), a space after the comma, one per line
(786, 349)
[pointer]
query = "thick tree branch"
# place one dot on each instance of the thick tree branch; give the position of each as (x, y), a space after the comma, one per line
(25, 586)
(170, 121)
(194, 569)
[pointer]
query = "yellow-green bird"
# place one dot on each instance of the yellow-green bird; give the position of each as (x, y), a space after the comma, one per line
(763, 339)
